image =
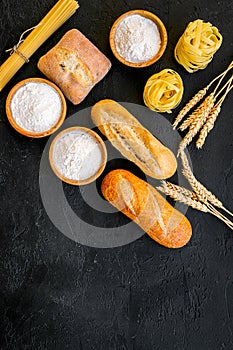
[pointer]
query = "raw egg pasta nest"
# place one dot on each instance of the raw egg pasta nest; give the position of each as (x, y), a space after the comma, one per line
(163, 91)
(198, 44)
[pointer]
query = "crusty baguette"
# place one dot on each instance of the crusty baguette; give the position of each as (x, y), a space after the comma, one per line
(75, 65)
(146, 207)
(133, 141)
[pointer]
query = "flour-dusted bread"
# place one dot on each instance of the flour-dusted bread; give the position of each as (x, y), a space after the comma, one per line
(75, 65)
(147, 208)
(134, 141)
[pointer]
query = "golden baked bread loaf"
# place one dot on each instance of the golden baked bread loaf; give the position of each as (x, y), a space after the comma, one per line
(75, 65)
(147, 208)
(133, 141)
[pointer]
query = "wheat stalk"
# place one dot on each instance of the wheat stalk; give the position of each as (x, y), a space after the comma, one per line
(187, 122)
(214, 114)
(222, 77)
(200, 198)
(182, 190)
(220, 216)
(192, 118)
(199, 95)
(201, 191)
(208, 125)
(178, 196)
(198, 122)
(196, 98)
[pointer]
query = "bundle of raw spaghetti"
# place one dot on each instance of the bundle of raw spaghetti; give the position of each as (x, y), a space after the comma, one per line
(21, 52)
(197, 46)
(163, 91)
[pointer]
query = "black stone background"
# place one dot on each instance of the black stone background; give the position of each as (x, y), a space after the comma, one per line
(56, 294)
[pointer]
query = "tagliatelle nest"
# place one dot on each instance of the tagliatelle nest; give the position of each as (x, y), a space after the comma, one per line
(197, 46)
(163, 91)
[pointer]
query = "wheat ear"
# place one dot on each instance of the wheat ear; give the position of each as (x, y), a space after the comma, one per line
(178, 196)
(213, 114)
(200, 190)
(208, 125)
(200, 199)
(182, 190)
(196, 98)
(192, 118)
(187, 122)
(198, 122)
(199, 95)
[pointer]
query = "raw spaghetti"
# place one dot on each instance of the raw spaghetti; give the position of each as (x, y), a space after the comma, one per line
(163, 91)
(197, 46)
(61, 11)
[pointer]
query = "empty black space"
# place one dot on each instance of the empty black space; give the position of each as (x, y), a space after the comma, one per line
(56, 294)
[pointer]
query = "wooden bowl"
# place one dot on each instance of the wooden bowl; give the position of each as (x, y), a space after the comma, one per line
(26, 132)
(162, 31)
(97, 138)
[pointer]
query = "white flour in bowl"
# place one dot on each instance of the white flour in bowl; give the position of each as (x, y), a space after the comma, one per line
(36, 107)
(137, 39)
(77, 155)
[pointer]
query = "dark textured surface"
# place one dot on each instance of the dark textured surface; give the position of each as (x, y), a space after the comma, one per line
(56, 294)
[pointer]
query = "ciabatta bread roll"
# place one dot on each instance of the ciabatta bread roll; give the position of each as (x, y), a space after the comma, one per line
(75, 65)
(133, 141)
(147, 208)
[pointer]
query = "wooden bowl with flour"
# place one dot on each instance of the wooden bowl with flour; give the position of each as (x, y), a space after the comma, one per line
(138, 38)
(78, 155)
(36, 107)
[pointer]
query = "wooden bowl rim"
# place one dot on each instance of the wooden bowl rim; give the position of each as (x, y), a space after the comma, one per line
(162, 31)
(103, 151)
(26, 132)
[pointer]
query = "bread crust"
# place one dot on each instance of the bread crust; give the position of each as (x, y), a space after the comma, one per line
(147, 208)
(75, 64)
(134, 141)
